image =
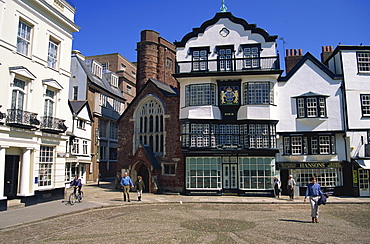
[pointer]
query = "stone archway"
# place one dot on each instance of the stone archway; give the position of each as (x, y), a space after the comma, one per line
(142, 170)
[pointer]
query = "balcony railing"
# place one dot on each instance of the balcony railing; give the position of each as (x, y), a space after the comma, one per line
(229, 65)
(21, 118)
(52, 124)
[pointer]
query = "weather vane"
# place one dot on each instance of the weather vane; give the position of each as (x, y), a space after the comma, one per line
(223, 7)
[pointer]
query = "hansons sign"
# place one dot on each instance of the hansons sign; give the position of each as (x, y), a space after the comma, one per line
(309, 165)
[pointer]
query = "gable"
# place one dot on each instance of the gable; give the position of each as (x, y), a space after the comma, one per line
(226, 17)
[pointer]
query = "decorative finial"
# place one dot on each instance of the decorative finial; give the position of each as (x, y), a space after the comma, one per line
(223, 7)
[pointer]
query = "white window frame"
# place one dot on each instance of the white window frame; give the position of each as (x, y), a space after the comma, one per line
(46, 166)
(53, 50)
(203, 173)
(24, 36)
(365, 104)
(363, 62)
(326, 177)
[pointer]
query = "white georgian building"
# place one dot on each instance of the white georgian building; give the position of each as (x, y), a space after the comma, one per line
(35, 46)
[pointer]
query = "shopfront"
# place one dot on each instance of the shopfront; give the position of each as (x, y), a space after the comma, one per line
(239, 175)
(329, 175)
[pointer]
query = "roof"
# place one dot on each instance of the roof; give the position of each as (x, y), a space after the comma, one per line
(311, 94)
(149, 153)
(252, 27)
(309, 56)
(77, 106)
(167, 90)
(347, 48)
(101, 83)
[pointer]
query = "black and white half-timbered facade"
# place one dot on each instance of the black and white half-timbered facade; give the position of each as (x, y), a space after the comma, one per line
(228, 71)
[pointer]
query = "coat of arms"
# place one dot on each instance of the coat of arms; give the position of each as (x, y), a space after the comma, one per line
(229, 95)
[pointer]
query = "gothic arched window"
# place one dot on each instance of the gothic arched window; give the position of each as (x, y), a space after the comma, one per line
(150, 126)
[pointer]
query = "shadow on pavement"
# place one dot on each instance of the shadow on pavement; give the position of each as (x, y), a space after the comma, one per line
(295, 221)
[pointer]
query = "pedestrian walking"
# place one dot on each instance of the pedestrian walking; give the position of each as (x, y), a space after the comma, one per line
(291, 186)
(126, 183)
(140, 186)
(277, 185)
(314, 192)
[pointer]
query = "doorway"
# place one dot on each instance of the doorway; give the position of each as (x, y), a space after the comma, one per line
(142, 170)
(229, 174)
(363, 177)
(11, 175)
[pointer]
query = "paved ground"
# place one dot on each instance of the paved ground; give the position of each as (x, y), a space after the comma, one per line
(104, 218)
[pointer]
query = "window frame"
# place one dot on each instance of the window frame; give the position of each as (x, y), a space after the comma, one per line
(365, 105)
(255, 92)
(199, 63)
(247, 135)
(252, 59)
(46, 163)
(53, 53)
(169, 169)
(200, 94)
(310, 144)
(311, 106)
(225, 58)
(25, 37)
(363, 62)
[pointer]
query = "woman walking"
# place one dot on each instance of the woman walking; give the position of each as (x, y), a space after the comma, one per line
(313, 192)
(140, 186)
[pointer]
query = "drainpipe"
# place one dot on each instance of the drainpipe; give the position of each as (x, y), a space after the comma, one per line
(345, 113)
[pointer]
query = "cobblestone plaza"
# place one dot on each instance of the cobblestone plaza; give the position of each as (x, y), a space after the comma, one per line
(199, 223)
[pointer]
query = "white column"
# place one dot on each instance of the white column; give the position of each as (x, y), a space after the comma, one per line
(25, 173)
(2, 169)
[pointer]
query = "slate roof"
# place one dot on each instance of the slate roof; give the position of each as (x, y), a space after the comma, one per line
(101, 83)
(149, 153)
(309, 56)
(77, 106)
(167, 90)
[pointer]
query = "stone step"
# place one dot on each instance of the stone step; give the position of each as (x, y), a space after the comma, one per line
(15, 203)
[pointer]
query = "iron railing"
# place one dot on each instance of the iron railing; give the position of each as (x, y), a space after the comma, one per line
(18, 117)
(49, 123)
(229, 65)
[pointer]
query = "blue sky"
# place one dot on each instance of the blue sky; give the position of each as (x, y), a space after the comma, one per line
(114, 26)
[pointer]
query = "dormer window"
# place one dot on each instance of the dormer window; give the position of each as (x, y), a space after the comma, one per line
(225, 58)
(199, 58)
(251, 54)
(114, 81)
(311, 105)
(97, 69)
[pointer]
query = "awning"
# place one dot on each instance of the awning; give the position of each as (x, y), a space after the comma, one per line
(363, 163)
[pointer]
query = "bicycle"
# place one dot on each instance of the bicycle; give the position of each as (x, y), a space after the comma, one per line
(75, 196)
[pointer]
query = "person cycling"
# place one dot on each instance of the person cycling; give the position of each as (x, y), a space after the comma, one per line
(77, 184)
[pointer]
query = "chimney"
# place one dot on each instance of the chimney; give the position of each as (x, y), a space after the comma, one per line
(292, 58)
(326, 51)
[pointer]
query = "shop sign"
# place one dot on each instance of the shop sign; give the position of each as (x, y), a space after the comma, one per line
(355, 178)
(309, 165)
